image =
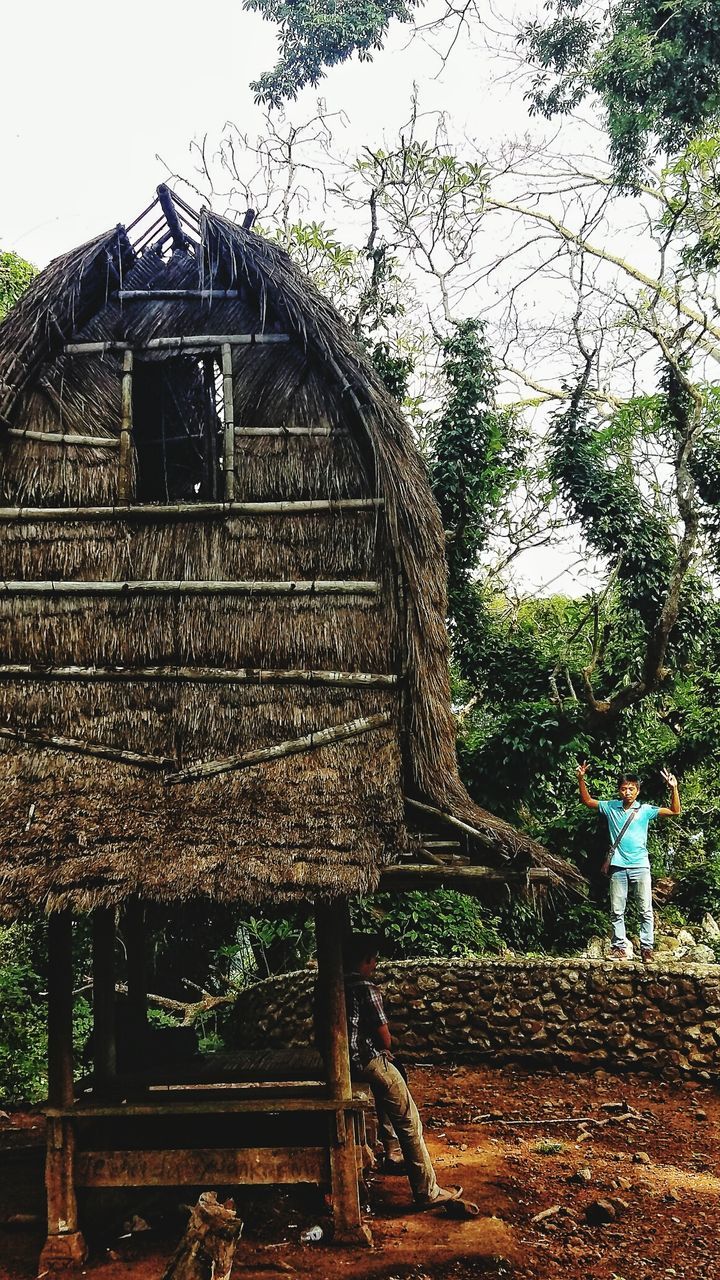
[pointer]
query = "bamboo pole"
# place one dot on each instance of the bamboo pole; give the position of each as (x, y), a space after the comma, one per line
(192, 510)
(416, 876)
(292, 746)
(182, 342)
(228, 423)
(103, 961)
(447, 817)
(28, 737)
(198, 675)
(126, 422)
(160, 295)
(57, 437)
(187, 588)
(291, 431)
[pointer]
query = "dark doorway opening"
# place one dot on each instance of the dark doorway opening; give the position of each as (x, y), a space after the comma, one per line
(178, 429)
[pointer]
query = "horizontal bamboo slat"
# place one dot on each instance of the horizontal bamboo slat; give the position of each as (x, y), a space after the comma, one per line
(160, 295)
(292, 746)
(209, 587)
(191, 510)
(197, 675)
(182, 342)
(32, 739)
(291, 431)
(58, 437)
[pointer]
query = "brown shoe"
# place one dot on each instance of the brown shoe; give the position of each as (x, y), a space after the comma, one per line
(442, 1196)
(647, 954)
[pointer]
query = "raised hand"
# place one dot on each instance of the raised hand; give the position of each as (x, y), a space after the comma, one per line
(582, 769)
(669, 778)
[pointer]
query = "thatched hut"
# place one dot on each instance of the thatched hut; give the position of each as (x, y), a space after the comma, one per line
(223, 656)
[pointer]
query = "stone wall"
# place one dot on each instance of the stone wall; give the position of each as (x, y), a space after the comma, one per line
(582, 1012)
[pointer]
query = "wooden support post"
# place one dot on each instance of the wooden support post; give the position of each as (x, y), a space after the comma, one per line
(61, 1091)
(65, 1244)
(103, 999)
(135, 936)
(331, 923)
(125, 464)
(229, 423)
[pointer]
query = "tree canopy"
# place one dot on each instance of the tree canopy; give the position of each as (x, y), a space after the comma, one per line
(15, 276)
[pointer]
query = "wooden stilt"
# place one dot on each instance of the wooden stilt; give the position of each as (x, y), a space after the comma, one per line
(135, 936)
(103, 999)
(65, 1244)
(331, 922)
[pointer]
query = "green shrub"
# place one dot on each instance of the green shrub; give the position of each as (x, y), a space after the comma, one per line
(23, 1034)
(416, 924)
(697, 889)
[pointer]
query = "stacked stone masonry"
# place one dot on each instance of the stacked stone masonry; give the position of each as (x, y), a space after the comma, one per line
(581, 1012)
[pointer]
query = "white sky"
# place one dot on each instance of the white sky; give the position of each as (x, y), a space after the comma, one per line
(91, 93)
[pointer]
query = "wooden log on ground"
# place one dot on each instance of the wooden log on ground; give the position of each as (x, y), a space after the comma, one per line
(207, 1249)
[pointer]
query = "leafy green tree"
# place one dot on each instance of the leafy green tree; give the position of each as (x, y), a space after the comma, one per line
(653, 63)
(475, 460)
(15, 276)
(317, 34)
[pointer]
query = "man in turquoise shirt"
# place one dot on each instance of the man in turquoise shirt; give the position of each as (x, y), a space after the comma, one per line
(628, 863)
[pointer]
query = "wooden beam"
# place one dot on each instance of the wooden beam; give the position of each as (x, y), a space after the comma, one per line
(292, 746)
(188, 341)
(199, 675)
(332, 922)
(209, 587)
(57, 437)
(103, 961)
(233, 1166)
(126, 424)
(61, 1090)
(207, 1106)
(191, 510)
(65, 1245)
(179, 239)
(31, 737)
(134, 930)
(416, 876)
(228, 423)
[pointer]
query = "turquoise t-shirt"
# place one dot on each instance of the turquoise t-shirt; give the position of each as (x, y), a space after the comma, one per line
(632, 849)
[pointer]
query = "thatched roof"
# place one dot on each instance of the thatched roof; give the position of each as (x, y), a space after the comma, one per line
(89, 813)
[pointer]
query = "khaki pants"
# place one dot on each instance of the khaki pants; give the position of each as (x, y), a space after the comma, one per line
(396, 1109)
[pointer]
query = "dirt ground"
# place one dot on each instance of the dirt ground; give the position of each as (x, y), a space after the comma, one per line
(534, 1151)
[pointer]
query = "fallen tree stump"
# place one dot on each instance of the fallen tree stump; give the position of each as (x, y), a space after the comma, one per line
(207, 1249)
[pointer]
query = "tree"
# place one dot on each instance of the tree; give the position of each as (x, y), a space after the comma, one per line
(15, 276)
(653, 63)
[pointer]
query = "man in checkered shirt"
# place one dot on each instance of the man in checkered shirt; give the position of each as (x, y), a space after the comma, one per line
(371, 1060)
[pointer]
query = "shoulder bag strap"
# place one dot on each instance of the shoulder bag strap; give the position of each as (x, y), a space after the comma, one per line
(631, 817)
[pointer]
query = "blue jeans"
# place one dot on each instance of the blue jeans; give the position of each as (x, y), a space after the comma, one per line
(621, 878)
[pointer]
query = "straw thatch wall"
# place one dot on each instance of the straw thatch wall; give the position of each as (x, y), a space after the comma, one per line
(82, 820)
